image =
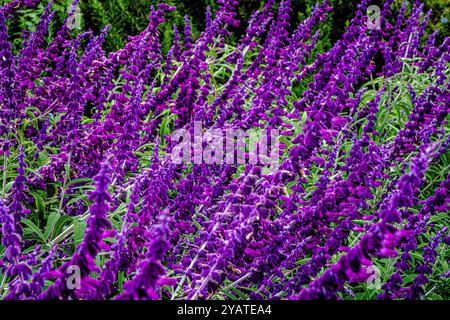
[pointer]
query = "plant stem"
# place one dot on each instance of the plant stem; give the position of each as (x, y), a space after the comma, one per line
(5, 162)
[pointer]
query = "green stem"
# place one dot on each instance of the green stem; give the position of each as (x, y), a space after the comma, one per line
(5, 162)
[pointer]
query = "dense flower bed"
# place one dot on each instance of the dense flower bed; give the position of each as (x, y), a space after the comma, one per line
(92, 205)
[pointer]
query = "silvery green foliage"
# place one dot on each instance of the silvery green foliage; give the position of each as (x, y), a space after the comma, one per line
(93, 207)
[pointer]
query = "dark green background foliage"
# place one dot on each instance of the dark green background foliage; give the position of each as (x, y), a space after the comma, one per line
(129, 17)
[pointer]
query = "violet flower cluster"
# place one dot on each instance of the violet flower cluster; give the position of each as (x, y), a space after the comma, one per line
(92, 205)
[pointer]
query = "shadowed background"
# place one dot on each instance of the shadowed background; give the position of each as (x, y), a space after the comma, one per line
(129, 17)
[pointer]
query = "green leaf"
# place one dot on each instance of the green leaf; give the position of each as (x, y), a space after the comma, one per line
(435, 296)
(79, 228)
(83, 197)
(80, 180)
(51, 222)
(34, 229)
(120, 280)
(9, 186)
(228, 294)
(40, 206)
(67, 169)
